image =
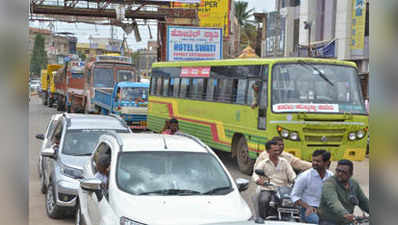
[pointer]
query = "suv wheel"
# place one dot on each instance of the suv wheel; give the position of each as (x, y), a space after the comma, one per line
(245, 163)
(53, 210)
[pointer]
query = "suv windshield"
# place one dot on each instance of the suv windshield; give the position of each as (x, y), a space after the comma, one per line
(307, 87)
(134, 93)
(82, 142)
(171, 173)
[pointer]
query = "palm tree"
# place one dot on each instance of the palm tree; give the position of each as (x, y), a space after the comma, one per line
(247, 27)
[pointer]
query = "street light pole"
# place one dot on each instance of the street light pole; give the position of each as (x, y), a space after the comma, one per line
(307, 26)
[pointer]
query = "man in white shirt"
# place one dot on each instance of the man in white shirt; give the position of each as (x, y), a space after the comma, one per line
(307, 189)
(102, 165)
(277, 171)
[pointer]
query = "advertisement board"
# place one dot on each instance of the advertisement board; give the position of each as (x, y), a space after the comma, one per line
(358, 24)
(181, 1)
(193, 43)
(211, 13)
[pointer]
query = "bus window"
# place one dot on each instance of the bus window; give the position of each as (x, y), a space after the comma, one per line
(250, 93)
(153, 85)
(224, 93)
(197, 88)
(159, 86)
(176, 87)
(171, 87)
(185, 87)
(241, 92)
(211, 85)
(165, 86)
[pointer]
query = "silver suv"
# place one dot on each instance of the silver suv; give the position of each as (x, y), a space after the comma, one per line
(67, 145)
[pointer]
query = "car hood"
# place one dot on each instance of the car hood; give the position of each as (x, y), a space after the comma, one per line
(185, 210)
(75, 161)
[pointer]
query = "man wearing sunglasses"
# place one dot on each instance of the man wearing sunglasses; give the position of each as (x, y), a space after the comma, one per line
(340, 194)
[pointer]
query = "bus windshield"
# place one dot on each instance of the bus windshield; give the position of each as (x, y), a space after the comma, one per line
(322, 88)
(103, 77)
(134, 93)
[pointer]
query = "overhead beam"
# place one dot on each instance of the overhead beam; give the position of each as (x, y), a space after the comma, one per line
(160, 14)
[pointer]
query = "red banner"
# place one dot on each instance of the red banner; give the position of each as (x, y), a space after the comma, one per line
(195, 72)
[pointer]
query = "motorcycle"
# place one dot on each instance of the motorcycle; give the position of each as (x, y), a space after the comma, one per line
(282, 208)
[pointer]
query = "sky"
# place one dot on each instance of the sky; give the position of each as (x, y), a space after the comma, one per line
(83, 31)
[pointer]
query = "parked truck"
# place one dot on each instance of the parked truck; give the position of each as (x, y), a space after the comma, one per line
(127, 99)
(48, 86)
(103, 73)
(69, 83)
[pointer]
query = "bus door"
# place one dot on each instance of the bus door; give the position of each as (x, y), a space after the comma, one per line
(262, 105)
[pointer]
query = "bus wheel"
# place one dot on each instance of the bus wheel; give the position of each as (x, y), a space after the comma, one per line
(242, 156)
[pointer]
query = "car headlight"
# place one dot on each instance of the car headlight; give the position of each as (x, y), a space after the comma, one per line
(352, 136)
(294, 136)
(285, 133)
(287, 203)
(126, 221)
(360, 134)
(71, 172)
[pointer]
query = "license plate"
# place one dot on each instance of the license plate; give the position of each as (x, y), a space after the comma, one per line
(285, 210)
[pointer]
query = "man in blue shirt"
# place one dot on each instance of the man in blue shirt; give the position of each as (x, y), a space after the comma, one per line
(308, 187)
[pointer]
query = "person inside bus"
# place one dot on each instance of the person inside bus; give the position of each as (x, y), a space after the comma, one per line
(256, 90)
(171, 127)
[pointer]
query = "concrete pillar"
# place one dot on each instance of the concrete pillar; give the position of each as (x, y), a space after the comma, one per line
(307, 13)
(289, 30)
(330, 20)
(343, 29)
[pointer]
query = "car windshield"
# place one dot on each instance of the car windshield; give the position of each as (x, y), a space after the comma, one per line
(134, 93)
(171, 173)
(323, 88)
(82, 142)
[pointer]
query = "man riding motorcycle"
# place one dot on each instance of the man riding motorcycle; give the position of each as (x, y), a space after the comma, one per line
(277, 171)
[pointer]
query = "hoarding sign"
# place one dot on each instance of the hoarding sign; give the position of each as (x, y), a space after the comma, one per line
(358, 24)
(193, 43)
(180, 1)
(211, 13)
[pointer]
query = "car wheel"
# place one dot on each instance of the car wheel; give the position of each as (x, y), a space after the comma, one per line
(244, 162)
(53, 210)
(78, 218)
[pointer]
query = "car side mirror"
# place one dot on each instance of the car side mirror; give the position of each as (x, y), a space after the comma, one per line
(40, 136)
(91, 184)
(242, 184)
(49, 152)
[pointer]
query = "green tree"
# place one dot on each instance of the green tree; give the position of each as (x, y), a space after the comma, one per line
(39, 56)
(248, 31)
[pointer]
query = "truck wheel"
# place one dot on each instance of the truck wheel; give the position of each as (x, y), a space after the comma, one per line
(44, 99)
(242, 156)
(50, 102)
(60, 104)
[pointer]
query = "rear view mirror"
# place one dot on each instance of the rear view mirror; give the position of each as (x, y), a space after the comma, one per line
(260, 172)
(40, 136)
(48, 152)
(91, 184)
(242, 184)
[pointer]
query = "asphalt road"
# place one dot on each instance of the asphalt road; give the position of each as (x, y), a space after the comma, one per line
(39, 117)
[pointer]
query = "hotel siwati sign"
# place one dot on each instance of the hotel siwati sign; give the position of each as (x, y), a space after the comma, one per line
(193, 43)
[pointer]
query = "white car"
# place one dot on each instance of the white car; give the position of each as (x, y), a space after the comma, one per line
(160, 179)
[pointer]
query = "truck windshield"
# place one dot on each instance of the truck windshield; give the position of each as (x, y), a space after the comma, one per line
(103, 77)
(134, 93)
(323, 88)
(125, 75)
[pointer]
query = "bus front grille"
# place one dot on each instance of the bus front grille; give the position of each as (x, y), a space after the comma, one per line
(323, 139)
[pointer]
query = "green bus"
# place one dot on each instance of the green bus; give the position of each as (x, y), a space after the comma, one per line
(237, 105)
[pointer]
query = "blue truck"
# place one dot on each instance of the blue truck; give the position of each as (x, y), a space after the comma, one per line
(127, 99)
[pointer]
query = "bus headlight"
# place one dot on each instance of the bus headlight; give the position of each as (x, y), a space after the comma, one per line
(352, 136)
(285, 133)
(360, 134)
(294, 136)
